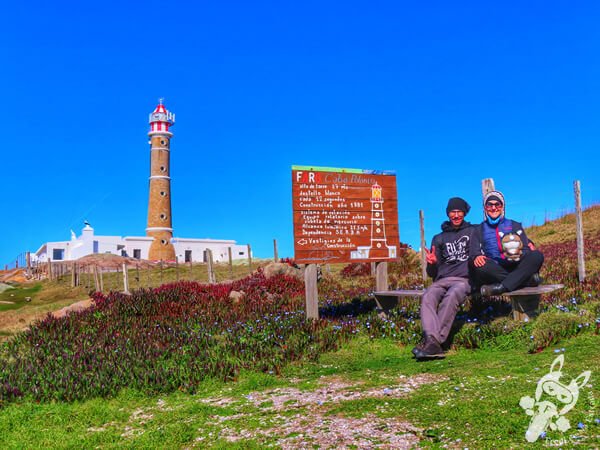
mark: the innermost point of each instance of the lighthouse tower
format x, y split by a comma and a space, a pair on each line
379, 248
378, 240
159, 203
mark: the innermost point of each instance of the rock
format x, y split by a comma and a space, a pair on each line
236, 296
75, 307
281, 268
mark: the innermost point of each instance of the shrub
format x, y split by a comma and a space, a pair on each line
552, 326
356, 270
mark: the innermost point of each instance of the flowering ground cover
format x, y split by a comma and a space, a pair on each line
156, 366
165, 339
175, 336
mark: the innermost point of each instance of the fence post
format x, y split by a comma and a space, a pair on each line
125, 279
275, 253
73, 275
28, 262
579, 224
423, 245
311, 291
211, 273
487, 185
161, 271
177, 268
50, 269
249, 259
230, 263
96, 279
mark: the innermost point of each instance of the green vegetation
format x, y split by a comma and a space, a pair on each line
198, 368
471, 399
18, 297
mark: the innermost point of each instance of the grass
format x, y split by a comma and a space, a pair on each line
474, 403
18, 296
563, 229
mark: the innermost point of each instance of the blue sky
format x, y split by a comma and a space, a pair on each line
445, 93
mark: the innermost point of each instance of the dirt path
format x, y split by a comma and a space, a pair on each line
291, 418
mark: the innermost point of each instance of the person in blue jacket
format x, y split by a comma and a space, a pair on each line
507, 259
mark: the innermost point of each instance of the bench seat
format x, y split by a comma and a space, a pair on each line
525, 301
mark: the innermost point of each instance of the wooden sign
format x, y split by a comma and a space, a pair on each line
344, 215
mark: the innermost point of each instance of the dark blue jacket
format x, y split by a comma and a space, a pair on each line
504, 242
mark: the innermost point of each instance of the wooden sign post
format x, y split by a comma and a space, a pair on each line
343, 215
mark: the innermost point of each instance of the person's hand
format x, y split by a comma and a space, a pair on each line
480, 261
430, 256
531, 246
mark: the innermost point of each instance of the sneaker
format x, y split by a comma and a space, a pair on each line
418, 348
431, 350
492, 290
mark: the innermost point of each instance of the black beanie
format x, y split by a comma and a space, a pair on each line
457, 203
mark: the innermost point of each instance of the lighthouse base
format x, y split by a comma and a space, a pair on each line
161, 248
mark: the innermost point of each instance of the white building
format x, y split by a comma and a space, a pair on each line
186, 249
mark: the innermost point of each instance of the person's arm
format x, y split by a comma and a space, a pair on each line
475, 249
476, 254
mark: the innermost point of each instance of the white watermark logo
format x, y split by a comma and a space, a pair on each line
553, 400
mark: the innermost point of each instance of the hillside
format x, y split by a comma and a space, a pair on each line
563, 228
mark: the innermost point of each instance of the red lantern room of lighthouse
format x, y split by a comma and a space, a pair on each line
159, 202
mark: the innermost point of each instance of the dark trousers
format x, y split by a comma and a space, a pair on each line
512, 276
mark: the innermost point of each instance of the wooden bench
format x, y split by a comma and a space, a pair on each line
525, 301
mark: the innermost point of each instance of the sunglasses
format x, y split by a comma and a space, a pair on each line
492, 205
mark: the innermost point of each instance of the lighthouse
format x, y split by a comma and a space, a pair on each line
379, 248
160, 225
378, 239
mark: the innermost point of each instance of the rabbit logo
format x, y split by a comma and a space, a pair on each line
548, 412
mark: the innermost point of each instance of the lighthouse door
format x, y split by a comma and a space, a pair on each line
188, 256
